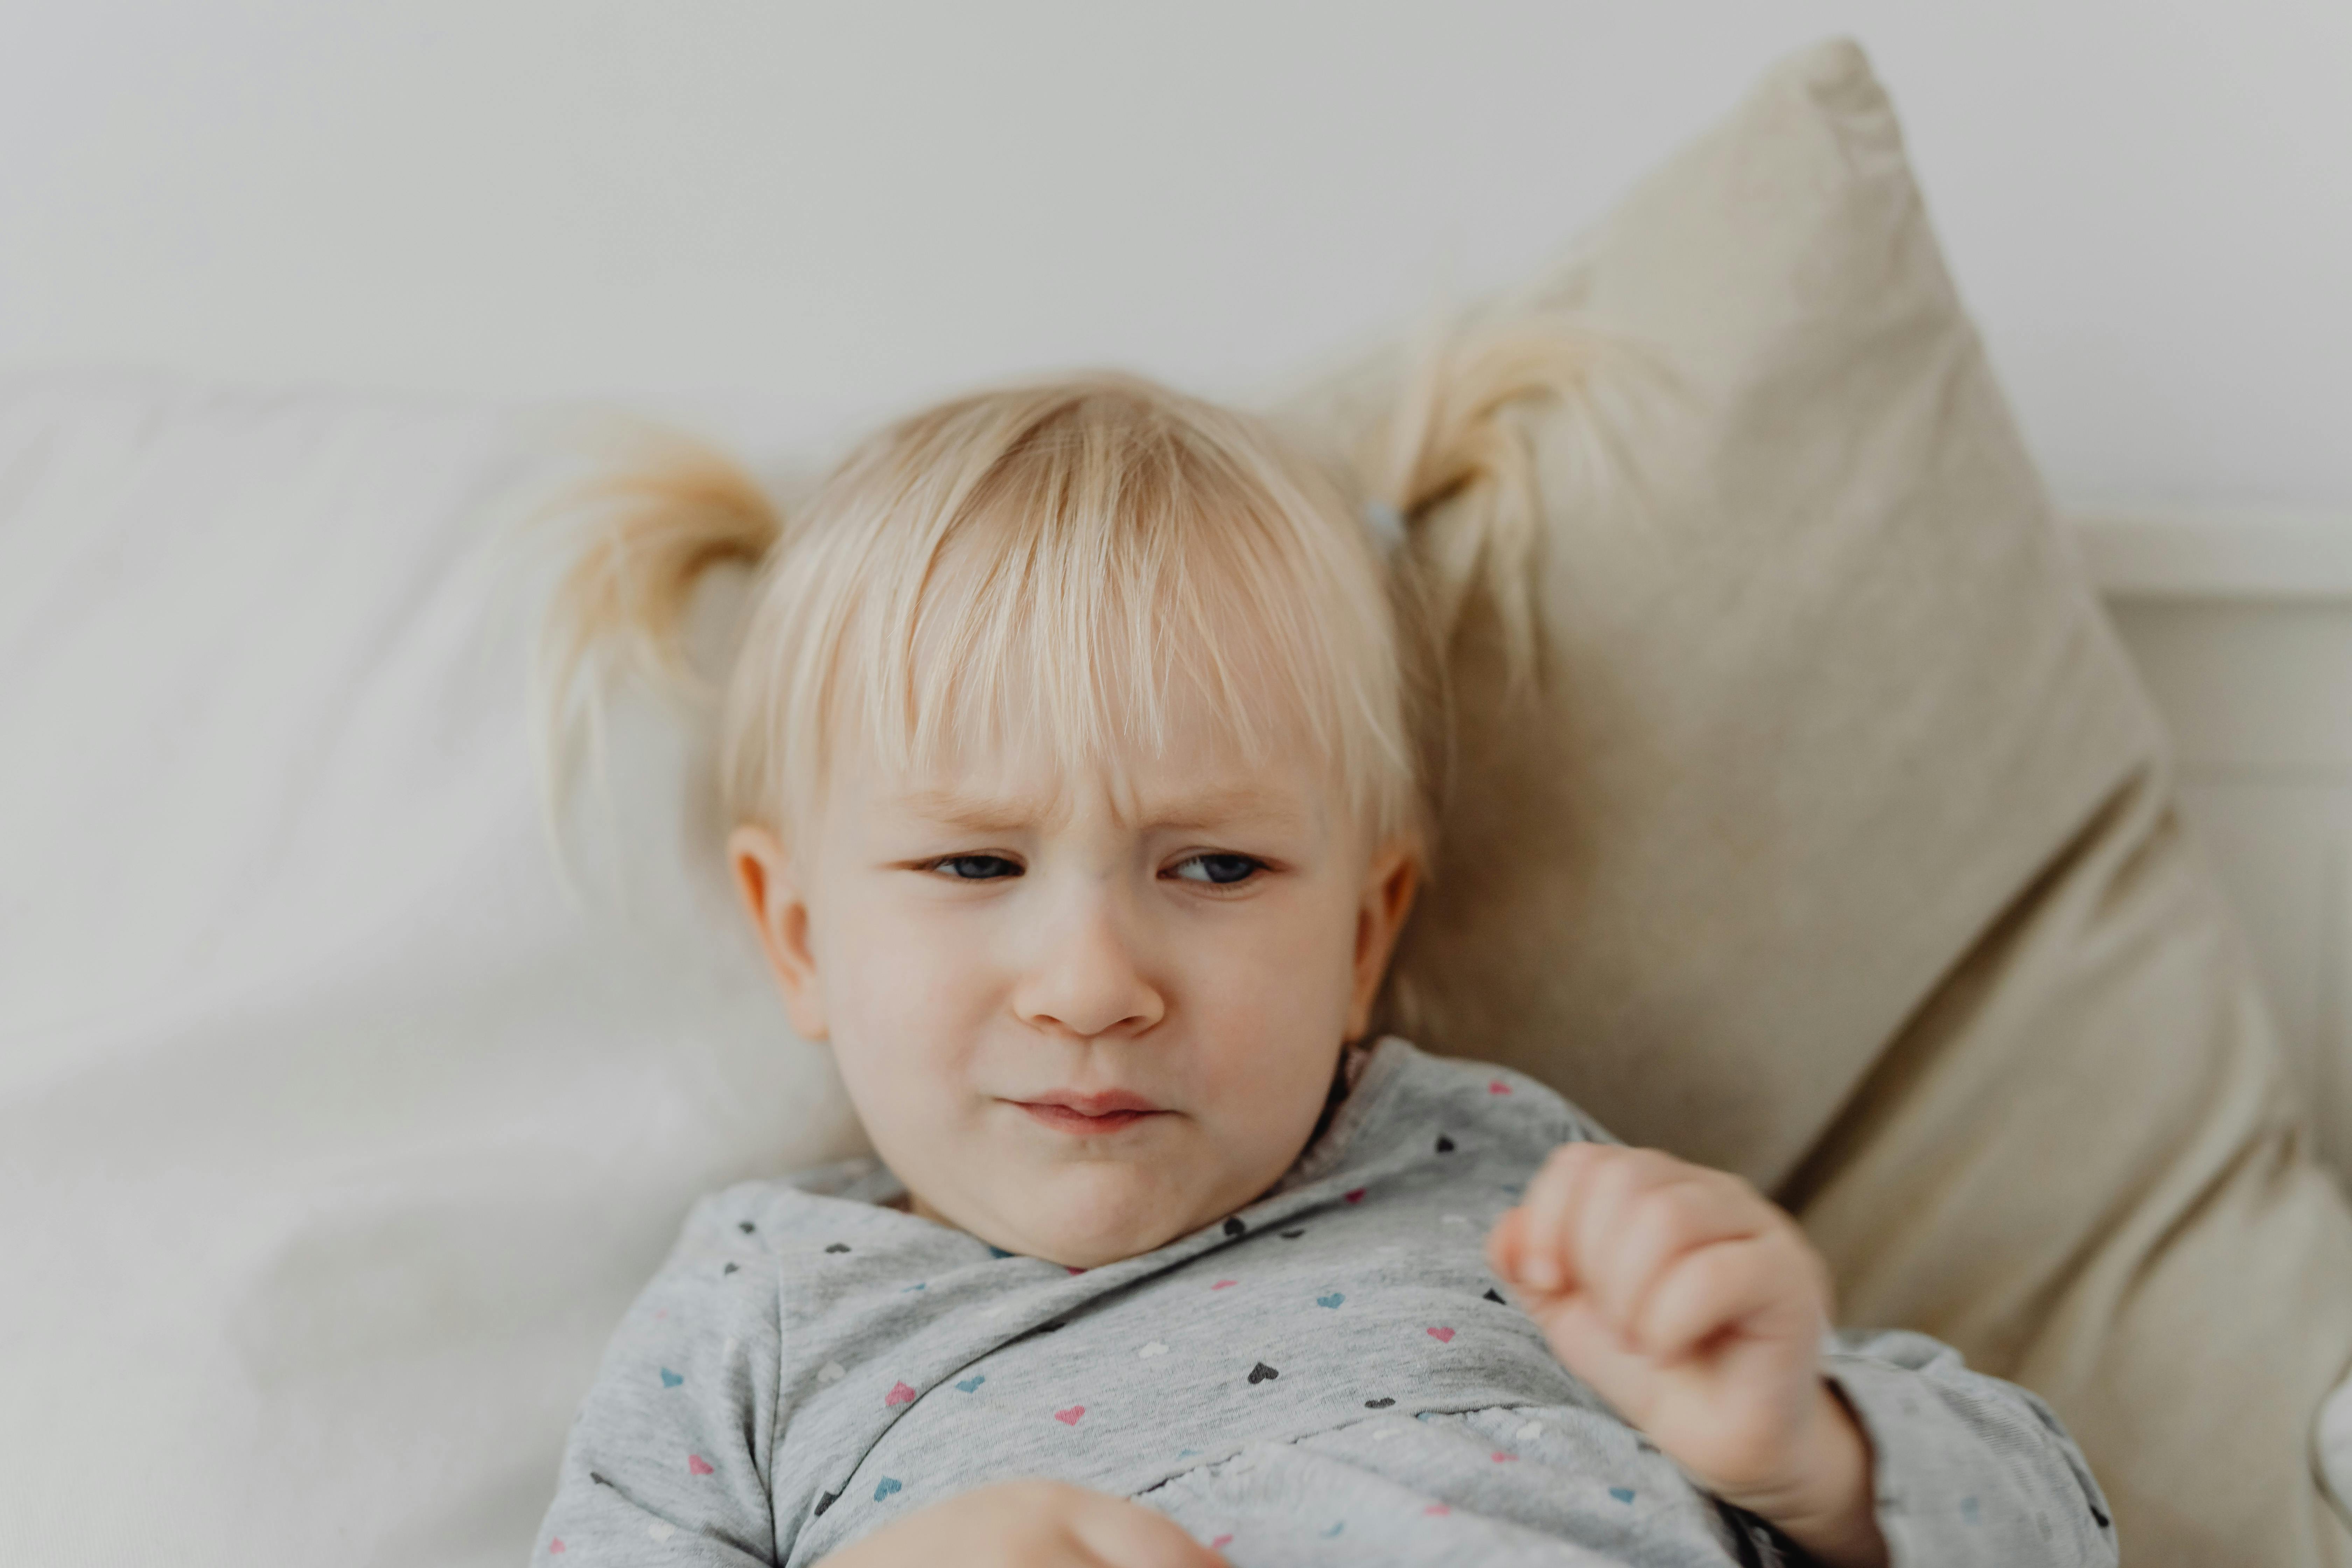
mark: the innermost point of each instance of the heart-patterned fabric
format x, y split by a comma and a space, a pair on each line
812, 1364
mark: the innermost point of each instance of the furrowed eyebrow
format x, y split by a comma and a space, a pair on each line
1214, 808
974, 813
1224, 808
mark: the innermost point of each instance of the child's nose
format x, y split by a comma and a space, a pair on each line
1086, 981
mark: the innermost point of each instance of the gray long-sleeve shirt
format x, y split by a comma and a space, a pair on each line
1331, 1374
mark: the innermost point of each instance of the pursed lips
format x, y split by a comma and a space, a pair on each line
1089, 1115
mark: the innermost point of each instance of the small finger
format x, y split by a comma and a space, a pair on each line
1546, 1259
1660, 1224
1504, 1243
1588, 1344
1606, 1203
1711, 1290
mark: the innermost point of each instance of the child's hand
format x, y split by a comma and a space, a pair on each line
1696, 1307
1030, 1524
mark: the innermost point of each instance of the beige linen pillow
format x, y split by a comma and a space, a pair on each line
1840, 850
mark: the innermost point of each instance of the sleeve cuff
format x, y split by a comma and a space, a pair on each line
1967, 1471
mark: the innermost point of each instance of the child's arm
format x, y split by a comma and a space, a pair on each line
669, 1459
1698, 1310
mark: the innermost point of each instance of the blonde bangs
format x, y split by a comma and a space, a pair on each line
1065, 565
1075, 561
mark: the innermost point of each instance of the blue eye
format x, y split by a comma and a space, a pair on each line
976, 867
1222, 870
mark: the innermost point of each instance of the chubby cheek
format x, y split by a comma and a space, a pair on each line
1270, 1020
902, 1012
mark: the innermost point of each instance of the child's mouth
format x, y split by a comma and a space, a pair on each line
1090, 1115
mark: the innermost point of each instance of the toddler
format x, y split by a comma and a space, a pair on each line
1078, 751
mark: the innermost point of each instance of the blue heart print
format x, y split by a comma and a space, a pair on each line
670, 1379
974, 1380
1622, 1494
1333, 1299
889, 1484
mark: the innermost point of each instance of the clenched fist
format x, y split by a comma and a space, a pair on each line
1696, 1307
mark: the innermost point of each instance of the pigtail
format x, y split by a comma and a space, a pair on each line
643, 533
1453, 476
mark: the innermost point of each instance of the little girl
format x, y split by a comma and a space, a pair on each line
1076, 754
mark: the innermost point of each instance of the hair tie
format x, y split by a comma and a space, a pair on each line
1386, 524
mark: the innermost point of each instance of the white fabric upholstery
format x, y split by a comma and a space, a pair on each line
333, 1135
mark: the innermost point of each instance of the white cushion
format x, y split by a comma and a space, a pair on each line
333, 1135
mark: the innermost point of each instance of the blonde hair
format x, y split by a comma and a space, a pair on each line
1061, 558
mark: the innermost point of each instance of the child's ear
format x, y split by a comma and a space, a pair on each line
779, 912
1390, 883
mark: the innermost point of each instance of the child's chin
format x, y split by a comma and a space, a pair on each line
1097, 1217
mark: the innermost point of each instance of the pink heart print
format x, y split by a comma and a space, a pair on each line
1070, 1417
696, 1465
899, 1395
556, 1544
1443, 1336
1498, 1087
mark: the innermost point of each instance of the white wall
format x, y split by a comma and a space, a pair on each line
838, 208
